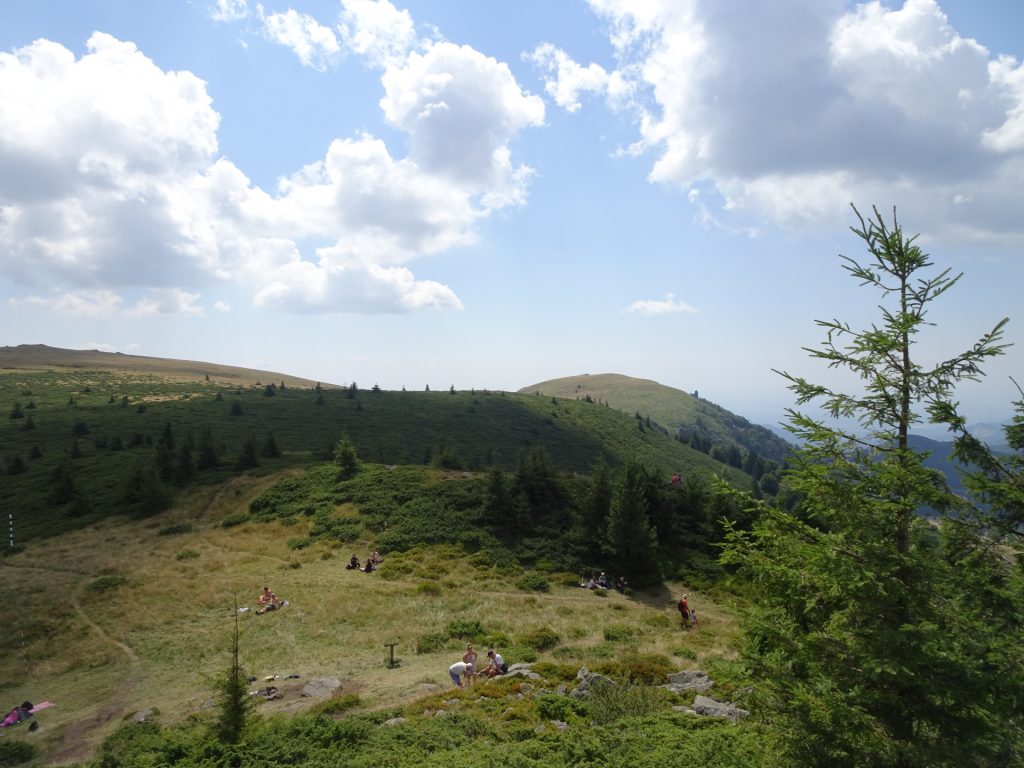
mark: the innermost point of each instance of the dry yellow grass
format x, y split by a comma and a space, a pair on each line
159, 638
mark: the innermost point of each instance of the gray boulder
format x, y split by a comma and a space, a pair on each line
708, 707
588, 681
689, 680
321, 687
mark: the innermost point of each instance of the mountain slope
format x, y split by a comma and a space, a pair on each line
685, 414
82, 443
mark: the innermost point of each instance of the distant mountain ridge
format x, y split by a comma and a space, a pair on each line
696, 420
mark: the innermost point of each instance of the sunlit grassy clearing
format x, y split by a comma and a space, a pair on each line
175, 616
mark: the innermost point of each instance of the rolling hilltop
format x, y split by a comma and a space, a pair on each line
700, 422
39, 357
85, 428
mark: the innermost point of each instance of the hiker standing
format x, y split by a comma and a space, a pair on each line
684, 611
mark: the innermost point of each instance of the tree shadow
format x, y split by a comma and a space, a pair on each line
658, 596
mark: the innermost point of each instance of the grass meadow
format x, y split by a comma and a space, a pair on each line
122, 616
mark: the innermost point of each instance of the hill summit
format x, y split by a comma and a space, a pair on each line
699, 422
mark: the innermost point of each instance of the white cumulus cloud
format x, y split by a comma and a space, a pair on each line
461, 109
792, 109
168, 301
314, 44
229, 10
377, 31
110, 187
670, 305
100, 303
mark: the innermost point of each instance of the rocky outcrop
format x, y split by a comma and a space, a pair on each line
588, 681
689, 680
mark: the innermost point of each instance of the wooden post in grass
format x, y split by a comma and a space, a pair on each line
391, 655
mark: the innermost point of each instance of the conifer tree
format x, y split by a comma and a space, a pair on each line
630, 538
346, 458
208, 455
872, 638
248, 458
270, 449
232, 695
185, 468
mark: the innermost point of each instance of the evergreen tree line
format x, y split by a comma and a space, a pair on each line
627, 521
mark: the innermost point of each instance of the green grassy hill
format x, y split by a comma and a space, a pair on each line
124, 605
696, 419
76, 434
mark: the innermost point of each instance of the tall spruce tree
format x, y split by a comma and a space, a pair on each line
875, 636
630, 538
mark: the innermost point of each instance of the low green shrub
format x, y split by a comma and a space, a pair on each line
175, 529
108, 582
465, 629
335, 705
520, 653
534, 582
552, 672
541, 639
186, 554
431, 642
660, 621
646, 668
429, 588
608, 703
16, 752
232, 520
554, 707
497, 640
299, 543
619, 633
685, 653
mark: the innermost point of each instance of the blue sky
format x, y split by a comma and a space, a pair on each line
490, 194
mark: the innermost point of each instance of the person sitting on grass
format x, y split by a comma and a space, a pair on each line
461, 673
269, 602
375, 558
497, 665
353, 564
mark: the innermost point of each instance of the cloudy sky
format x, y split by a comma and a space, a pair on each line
489, 194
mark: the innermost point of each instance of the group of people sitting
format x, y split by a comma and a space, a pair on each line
372, 563
268, 601
463, 672
603, 582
